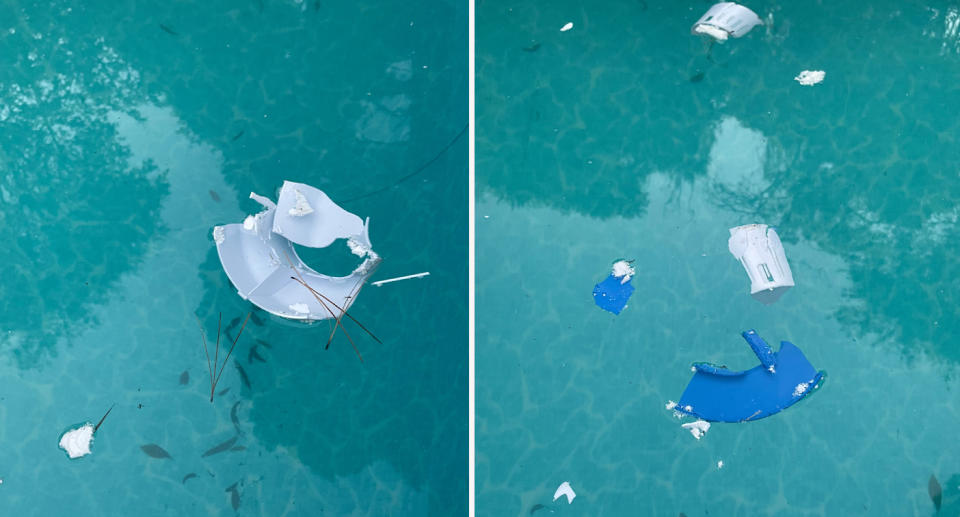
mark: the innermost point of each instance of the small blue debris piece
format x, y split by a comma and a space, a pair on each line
716, 394
612, 294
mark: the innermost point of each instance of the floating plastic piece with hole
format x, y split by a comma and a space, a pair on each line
716, 394
726, 19
759, 250
613, 293
257, 254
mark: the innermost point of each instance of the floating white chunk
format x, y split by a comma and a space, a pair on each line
698, 428
670, 405
720, 464
250, 223
726, 19
623, 270
760, 252
801, 389
566, 27
810, 77
714, 32
218, 234
378, 283
564, 489
77, 441
301, 207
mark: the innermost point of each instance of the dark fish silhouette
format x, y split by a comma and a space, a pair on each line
103, 418
168, 30
697, 77
184, 377
243, 374
220, 448
223, 392
936, 493
540, 507
533, 48
238, 448
215, 196
230, 326
683, 514
264, 343
188, 476
233, 417
237, 136
155, 451
254, 355
234, 496
257, 320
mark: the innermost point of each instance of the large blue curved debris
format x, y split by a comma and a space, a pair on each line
612, 294
717, 394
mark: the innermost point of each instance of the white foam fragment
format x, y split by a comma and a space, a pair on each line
218, 234
719, 464
698, 428
800, 389
357, 248
301, 308
301, 207
810, 77
714, 32
688, 408
670, 405
77, 441
772, 369
566, 27
565, 490
623, 270
250, 223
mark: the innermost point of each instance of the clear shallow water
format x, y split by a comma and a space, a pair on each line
602, 143
128, 132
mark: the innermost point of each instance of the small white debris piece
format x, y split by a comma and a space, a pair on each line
301, 308
250, 223
714, 32
719, 464
801, 389
77, 441
358, 248
378, 283
301, 207
688, 408
772, 369
564, 489
623, 270
670, 405
810, 77
566, 27
218, 234
698, 428
693, 369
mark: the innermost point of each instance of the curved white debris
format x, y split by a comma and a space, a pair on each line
726, 19
77, 441
564, 490
257, 255
568, 26
698, 428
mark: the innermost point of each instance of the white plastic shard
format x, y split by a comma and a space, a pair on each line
567, 26
564, 490
77, 441
318, 220
758, 248
726, 19
698, 428
257, 255
810, 77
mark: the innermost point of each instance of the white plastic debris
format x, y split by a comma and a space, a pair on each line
623, 270
726, 19
378, 283
77, 441
564, 489
262, 263
566, 27
698, 428
801, 389
670, 405
810, 77
719, 464
301, 207
758, 248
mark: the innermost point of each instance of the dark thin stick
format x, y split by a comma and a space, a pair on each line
340, 317
204, 337
345, 313
216, 354
102, 419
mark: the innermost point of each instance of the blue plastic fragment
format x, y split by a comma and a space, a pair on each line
612, 294
716, 394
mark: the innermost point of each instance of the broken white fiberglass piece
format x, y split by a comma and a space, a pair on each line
565, 490
77, 441
257, 254
758, 248
726, 19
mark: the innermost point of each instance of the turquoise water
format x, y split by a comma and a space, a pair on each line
628, 137
128, 131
